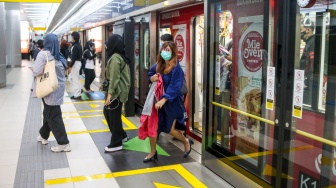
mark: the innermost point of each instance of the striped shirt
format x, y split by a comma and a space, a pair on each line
55, 98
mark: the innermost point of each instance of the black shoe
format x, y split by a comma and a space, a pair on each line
151, 159
187, 153
73, 97
126, 138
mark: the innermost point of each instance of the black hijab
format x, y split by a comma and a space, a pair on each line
88, 45
115, 44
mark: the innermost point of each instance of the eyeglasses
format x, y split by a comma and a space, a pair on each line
113, 105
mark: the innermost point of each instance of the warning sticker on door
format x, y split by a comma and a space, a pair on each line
298, 93
270, 88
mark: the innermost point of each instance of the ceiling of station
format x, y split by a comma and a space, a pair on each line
61, 18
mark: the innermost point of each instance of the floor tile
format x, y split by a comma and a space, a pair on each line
9, 157
7, 174
80, 139
7, 186
10, 144
103, 183
64, 185
88, 166
82, 151
57, 173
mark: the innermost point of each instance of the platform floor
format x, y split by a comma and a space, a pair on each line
24, 162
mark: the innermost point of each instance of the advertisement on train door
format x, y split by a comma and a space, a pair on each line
248, 36
179, 33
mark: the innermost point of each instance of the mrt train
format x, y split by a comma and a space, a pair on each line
261, 81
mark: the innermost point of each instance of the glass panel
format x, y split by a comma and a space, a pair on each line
198, 72
243, 125
136, 62
95, 36
312, 163
146, 50
163, 31
145, 61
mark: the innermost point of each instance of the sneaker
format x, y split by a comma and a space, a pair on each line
42, 140
73, 97
125, 139
60, 148
109, 150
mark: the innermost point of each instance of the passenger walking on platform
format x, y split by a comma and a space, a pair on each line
38, 49
65, 49
170, 108
31, 49
52, 113
89, 56
166, 38
118, 74
76, 64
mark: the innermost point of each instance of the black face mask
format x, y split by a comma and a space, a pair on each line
302, 35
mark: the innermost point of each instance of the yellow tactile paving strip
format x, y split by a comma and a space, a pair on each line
191, 179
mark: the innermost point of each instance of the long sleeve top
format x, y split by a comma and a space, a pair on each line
118, 73
76, 53
55, 98
89, 56
174, 108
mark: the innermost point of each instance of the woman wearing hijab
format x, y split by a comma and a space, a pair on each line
88, 57
171, 107
118, 74
52, 114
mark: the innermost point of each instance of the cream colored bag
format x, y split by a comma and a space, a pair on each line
47, 82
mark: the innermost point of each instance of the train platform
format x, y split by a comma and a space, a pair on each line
24, 162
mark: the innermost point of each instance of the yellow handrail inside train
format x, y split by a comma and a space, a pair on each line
244, 113
305, 134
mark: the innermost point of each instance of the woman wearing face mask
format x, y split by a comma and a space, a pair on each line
170, 107
88, 56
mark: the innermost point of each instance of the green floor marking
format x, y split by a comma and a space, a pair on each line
135, 144
84, 96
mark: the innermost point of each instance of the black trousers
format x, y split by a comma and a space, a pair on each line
53, 121
90, 75
113, 118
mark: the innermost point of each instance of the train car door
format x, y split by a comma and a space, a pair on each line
183, 24
279, 116
141, 59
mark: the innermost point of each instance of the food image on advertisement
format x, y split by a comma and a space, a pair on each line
250, 101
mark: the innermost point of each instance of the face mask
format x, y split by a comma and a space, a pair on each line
302, 35
166, 55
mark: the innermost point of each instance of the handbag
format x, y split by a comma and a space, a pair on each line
47, 82
184, 89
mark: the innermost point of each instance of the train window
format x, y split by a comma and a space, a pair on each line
314, 32
163, 31
224, 72
146, 57
136, 62
198, 72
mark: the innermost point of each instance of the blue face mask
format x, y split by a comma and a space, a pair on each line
166, 55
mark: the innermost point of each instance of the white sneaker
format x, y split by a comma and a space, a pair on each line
113, 149
60, 148
42, 140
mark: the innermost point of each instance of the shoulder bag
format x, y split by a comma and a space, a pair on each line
47, 82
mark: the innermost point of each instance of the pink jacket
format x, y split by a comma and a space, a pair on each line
149, 124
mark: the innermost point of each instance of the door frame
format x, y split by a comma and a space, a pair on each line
284, 31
